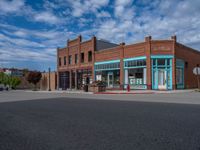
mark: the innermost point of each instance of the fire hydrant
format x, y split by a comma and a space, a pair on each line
128, 88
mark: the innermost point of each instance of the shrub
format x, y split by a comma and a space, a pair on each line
10, 81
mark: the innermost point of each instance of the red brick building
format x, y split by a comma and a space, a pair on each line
152, 64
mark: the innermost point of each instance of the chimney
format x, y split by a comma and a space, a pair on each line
147, 38
122, 43
173, 37
80, 38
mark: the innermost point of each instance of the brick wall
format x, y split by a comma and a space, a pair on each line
134, 50
44, 82
192, 58
60, 54
108, 54
164, 47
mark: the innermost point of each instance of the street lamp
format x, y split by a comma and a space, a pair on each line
49, 79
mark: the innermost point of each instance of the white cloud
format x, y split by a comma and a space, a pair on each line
12, 6
103, 14
80, 8
46, 17
18, 7
154, 19
124, 9
20, 42
30, 45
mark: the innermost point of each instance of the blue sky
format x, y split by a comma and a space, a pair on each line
31, 30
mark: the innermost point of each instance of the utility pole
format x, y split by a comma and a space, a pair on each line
198, 81
49, 79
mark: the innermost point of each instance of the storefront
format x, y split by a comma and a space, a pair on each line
180, 65
108, 72
135, 72
84, 76
161, 72
64, 80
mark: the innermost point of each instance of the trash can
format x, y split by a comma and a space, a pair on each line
86, 88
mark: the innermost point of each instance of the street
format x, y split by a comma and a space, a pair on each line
64, 123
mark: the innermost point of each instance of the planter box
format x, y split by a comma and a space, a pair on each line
97, 89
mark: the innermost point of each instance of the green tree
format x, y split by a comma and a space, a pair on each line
2, 77
14, 82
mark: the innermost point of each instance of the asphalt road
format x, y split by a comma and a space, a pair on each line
81, 124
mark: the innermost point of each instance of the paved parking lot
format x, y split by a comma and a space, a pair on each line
90, 124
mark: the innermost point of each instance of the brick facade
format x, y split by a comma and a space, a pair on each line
148, 49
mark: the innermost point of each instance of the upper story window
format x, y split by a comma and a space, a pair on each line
70, 59
135, 63
59, 61
65, 60
82, 57
161, 62
89, 56
76, 58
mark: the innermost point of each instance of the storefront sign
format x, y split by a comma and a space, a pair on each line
196, 70
98, 77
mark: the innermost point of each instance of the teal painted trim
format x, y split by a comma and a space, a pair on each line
135, 67
162, 66
136, 86
135, 58
170, 71
152, 78
94, 75
181, 64
162, 56
180, 86
166, 73
107, 69
155, 76
107, 62
139, 86
155, 68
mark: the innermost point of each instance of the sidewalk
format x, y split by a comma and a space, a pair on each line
116, 91
179, 96
144, 91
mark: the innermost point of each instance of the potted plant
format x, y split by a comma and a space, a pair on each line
97, 86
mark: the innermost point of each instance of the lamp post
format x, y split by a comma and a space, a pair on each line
49, 79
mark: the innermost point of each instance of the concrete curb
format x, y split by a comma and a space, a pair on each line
124, 93
60, 92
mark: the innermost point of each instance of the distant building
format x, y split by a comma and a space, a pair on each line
12, 71
1, 70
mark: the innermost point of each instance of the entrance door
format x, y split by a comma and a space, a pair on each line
110, 80
162, 79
